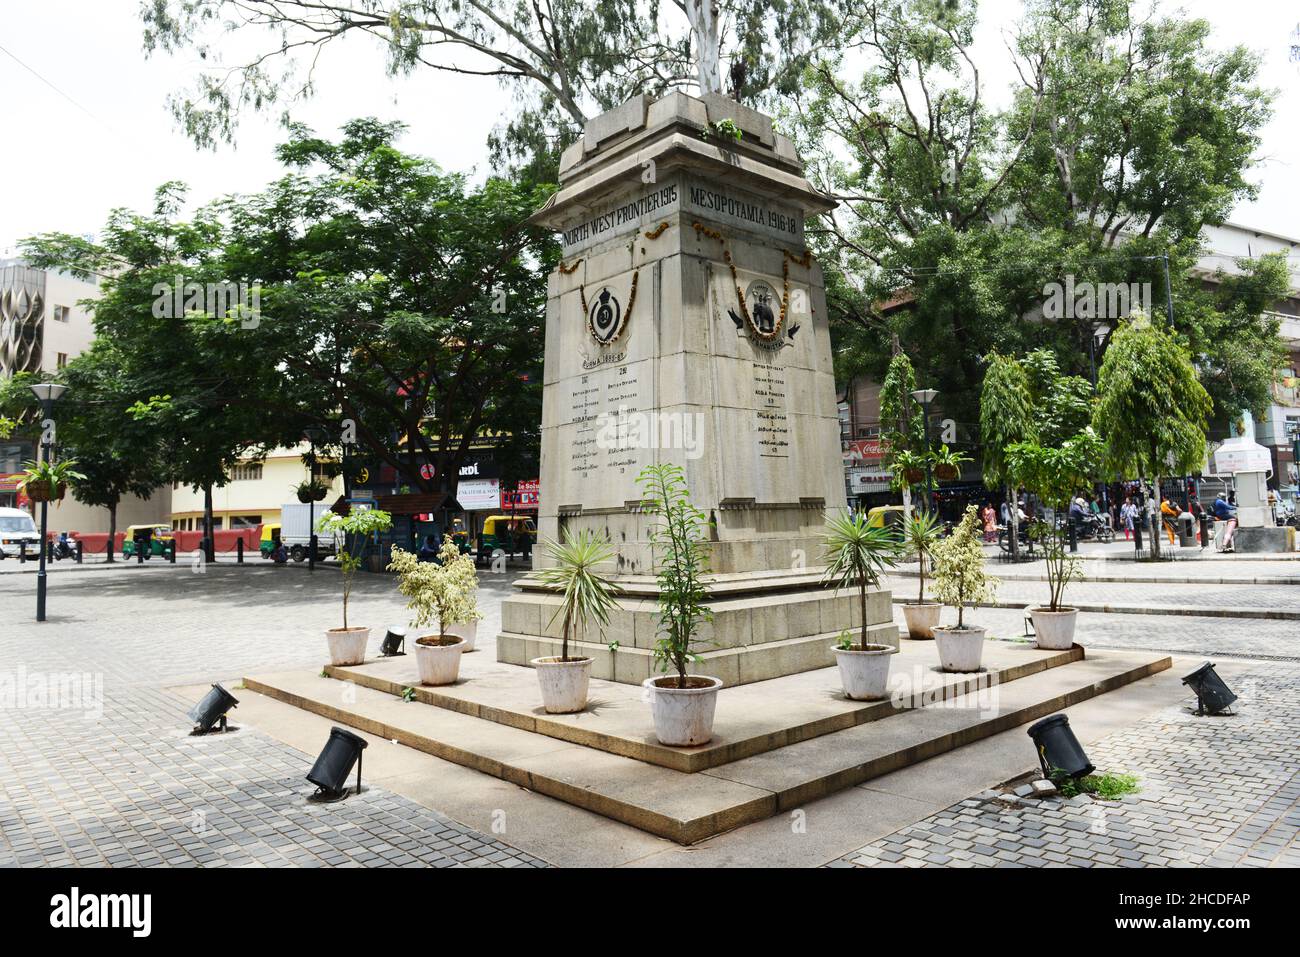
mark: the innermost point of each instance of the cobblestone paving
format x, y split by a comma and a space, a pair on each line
1215, 791
130, 787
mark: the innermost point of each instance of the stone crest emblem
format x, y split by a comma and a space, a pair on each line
605, 317
762, 316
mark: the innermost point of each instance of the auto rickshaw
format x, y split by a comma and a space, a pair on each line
158, 535
270, 539
885, 516
460, 535
511, 534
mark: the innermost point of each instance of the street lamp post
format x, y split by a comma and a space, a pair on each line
315, 436
48, 393
925, 397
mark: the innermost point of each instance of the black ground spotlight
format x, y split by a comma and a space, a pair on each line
330, 772
1058, 749
212, 710
394, 642
1212, 695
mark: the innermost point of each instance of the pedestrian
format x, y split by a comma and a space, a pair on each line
1169, 516
1225, 512
1127, 516
990, 523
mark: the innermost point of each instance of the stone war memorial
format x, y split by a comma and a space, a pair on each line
686, 323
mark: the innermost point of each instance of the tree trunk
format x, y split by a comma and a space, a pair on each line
703, 17
862, 603
1155, 524
112, 528
209, 546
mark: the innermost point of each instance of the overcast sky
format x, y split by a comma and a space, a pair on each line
64, 165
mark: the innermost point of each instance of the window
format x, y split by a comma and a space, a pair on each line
245, 521
61, 313
62, 359
246, 472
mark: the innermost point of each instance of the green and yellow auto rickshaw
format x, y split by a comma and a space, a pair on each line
270, 539
510, 534
157, 535
885, 516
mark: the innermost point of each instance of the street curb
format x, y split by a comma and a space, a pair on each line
1272, 614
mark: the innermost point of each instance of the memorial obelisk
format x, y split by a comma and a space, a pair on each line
687, 323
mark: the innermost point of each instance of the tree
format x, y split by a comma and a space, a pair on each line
565, 60
901, 427
1151, 409
1006, 417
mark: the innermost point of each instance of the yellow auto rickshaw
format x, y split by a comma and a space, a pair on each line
157, 536
270, 539
885, 516
511, 534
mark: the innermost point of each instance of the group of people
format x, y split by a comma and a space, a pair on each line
1224, 511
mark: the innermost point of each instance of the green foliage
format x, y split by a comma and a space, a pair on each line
408, 695
1107, 786
1062, 403
725, 129
856, 555
586, 596
1151, 406
1006, 414
361, 522
682, 555
845, 641
959, 575
901, 425
435, 591
57, 475
921, 531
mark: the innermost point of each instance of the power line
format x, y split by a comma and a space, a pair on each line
51, 85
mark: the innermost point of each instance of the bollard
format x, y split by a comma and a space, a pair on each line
108, 549
1205, 530
1137, 534
81, 547
171, 551
1074, 535
22, 552
139, 554
239, 550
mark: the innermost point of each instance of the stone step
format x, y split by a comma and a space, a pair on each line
750, 719
687, 807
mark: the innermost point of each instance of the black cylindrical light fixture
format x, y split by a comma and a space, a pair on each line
212, 709
1058, 749
394, 641
1212, 694
330, 772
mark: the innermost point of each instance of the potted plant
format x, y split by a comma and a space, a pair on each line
911, 465
435, 593
1054, 474
856, 554
311, 491
683, 705
921, 530
48, 481
348, 644
947, 463
461, 566
585, 596
959, 580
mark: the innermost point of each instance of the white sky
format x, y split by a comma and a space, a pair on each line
61, 169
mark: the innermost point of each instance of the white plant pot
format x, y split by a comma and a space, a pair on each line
683, 716
564, 683
347, 645
438, 664
864, 674
921, 619
468, 630
960, 649
1054, 630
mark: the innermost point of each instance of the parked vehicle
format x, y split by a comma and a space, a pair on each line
17, 529
157, 535
511, 534
886, 516
269, 540
296, 527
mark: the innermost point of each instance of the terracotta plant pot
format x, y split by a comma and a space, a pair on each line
913, 476
437, 662
921, 619
960, 649
864, 674
564, 683
43, 491
347, 645
946, 472
683, 716
467, 630
1054, 630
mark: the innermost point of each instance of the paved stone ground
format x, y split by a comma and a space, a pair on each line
1215, 791
130, 787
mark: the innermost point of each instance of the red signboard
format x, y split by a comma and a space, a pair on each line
527, 495
865, 450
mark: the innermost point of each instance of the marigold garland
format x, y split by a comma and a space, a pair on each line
786, 258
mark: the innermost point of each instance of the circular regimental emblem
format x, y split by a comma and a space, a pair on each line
605, 318
762, 304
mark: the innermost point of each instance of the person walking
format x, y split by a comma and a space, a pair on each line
1169, 516
1127, 516
990, 523
1226, 513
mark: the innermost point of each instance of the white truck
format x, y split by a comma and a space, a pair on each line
18, 531
296, 529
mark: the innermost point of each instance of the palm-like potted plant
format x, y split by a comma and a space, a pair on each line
960, 580
586, 596
48, 481
910, 465
1053, 474
435, 593
348, 644
311, 490
856, 554
683, 705
947, 463
461, 566
921, 531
